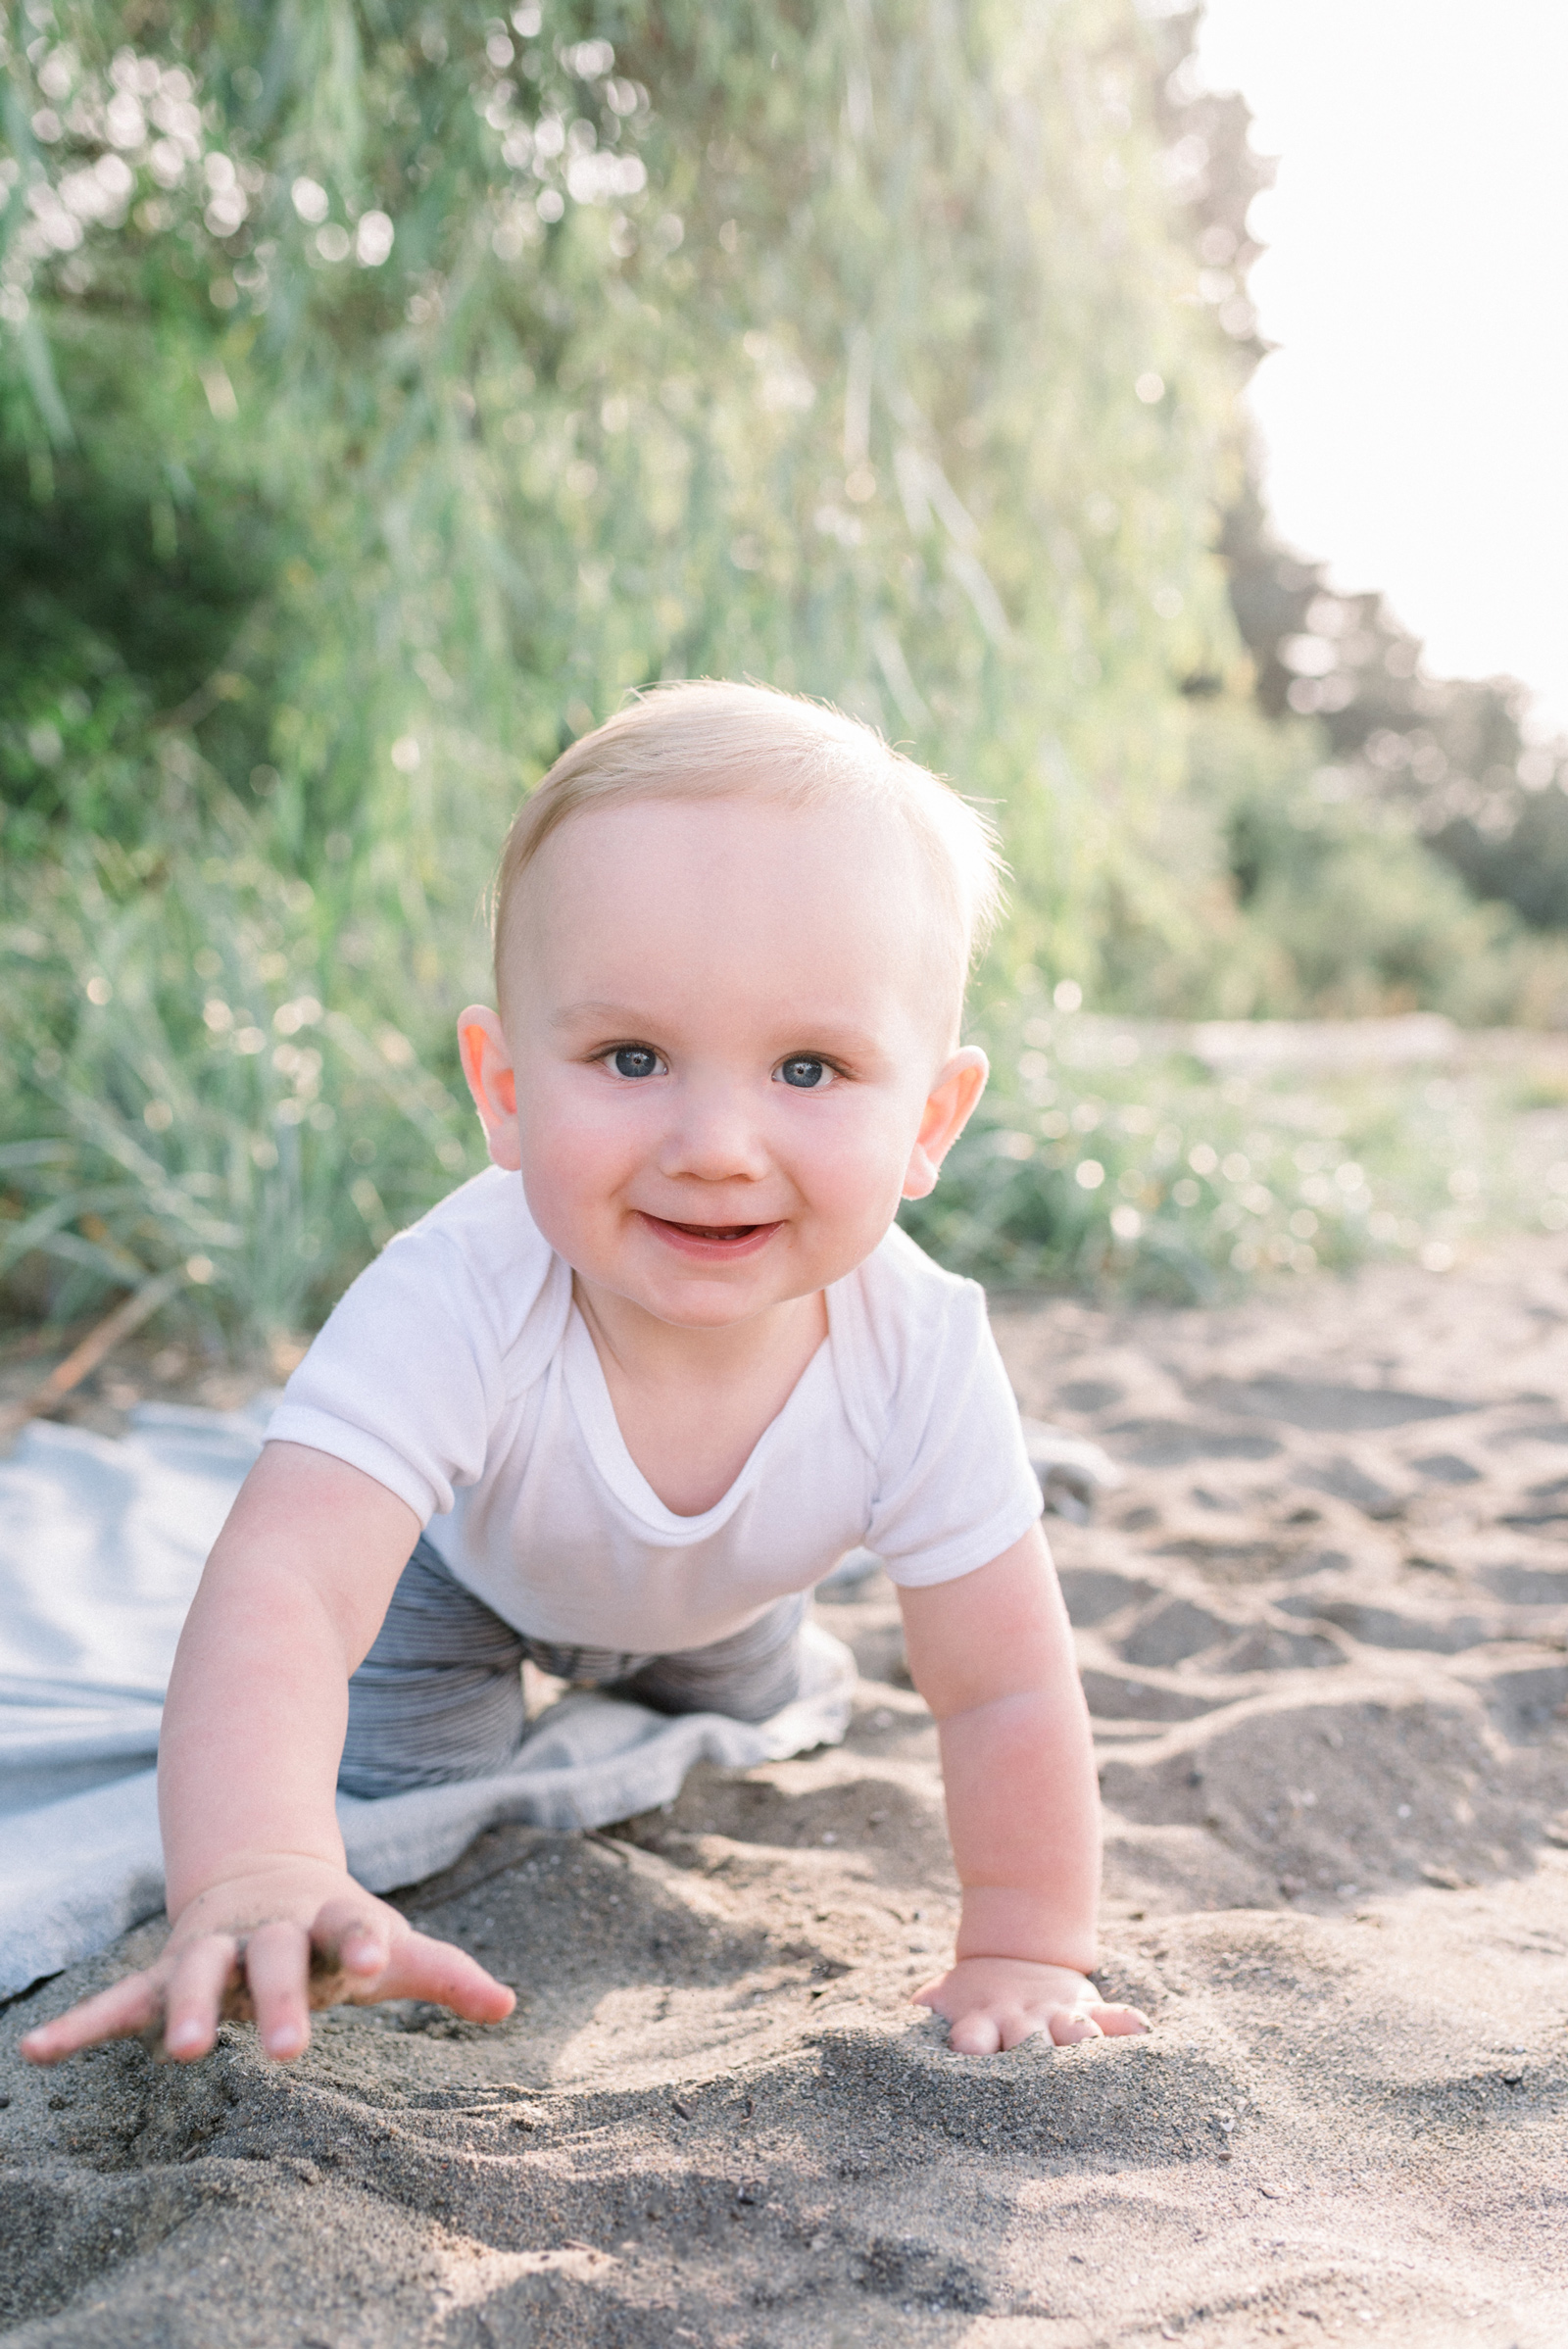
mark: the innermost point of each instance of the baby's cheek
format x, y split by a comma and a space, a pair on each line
571, 1145
855, 1165
556, 1184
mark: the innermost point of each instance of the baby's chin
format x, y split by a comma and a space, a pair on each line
702, 1289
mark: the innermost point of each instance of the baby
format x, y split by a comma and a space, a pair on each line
617, 1404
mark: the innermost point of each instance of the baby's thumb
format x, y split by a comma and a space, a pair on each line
1120, 2022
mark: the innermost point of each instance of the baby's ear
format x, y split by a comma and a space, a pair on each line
949, 1106
492, 1081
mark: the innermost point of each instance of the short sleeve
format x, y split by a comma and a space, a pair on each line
410, 1374
955, 1487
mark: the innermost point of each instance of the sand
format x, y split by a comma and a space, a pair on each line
1323, 1631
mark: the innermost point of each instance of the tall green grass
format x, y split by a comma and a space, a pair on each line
200, 1079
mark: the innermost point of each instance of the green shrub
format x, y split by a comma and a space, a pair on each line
1290, 896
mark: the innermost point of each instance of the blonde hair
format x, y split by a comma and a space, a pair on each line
707, 740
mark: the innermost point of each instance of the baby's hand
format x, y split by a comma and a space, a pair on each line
994, 2002
269, 1946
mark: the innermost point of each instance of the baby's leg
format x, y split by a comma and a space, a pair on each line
748, 1676
439, 1697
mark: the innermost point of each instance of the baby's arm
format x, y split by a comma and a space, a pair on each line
992, 1654
266, 1917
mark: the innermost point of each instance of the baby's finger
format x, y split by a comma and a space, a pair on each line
938, 1995
1120, 2022
195, 1994
975, 2035
351, 1942
277, 1959
421, 1968
118, 2013
1068, 2025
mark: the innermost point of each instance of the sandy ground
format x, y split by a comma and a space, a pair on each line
1323, 1631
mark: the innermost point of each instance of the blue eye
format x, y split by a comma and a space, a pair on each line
806, 1073
634, 1061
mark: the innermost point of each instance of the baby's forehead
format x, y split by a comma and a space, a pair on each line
822, 838
774, 802
851, 878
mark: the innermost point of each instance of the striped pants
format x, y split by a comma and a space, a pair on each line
439, 1697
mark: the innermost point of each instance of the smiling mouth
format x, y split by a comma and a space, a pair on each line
711, 1235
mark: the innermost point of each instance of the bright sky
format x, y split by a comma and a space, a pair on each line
1415, 416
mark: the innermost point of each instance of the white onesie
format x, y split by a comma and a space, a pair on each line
459, 1372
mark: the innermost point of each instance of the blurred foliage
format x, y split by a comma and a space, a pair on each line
387, 375
1395, 778
188, 1098
1327, 902
1451, 760
386, 388
1106, 1153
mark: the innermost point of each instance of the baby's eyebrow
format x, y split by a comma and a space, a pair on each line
617, 1015
827, 1035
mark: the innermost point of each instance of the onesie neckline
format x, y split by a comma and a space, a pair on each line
589, 1392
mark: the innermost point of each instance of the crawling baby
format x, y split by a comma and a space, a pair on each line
617, 1404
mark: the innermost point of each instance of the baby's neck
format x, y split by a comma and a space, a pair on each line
691, 1404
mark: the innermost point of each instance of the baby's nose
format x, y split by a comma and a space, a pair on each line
714, 1136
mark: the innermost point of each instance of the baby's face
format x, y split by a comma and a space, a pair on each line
727, 1069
